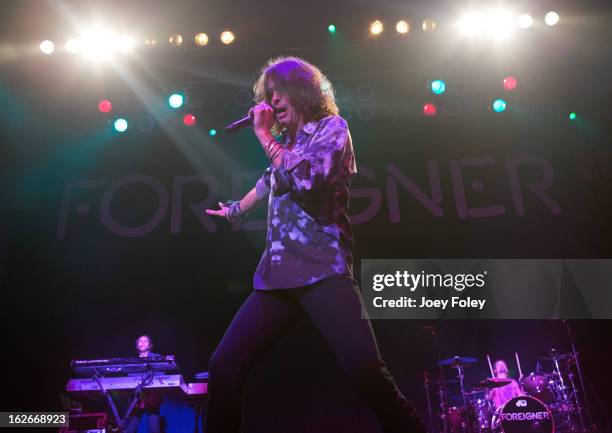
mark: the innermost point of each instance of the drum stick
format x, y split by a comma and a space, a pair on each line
518, 363
490, 366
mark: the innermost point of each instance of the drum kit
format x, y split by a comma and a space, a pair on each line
547, 402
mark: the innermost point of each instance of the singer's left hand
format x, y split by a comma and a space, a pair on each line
263, 119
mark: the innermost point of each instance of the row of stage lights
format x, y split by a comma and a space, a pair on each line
492, 23
429, 109
499, 105
175, 101
100, 44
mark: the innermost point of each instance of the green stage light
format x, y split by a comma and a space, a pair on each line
212, 132
331, 28
438, 87
499, 105
176, 100
573, 116
120, 125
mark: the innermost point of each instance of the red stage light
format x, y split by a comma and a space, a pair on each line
509, 83
105, 106
429, 109
189, 119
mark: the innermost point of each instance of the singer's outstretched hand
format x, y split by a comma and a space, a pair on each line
222, 211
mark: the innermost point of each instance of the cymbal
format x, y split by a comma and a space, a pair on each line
445, 381
476, 392
554, 354
457, 360
492, 383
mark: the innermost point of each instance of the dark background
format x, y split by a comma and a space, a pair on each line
74, 289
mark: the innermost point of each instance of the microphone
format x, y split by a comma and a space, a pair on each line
239, 124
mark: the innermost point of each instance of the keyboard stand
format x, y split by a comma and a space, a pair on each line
136, 399
111, 403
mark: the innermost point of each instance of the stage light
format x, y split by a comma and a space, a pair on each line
176, 40
551, 18
429, 25
573, 116
499, 105
500, 25
376, 28
438, 87
176, 100
105, 106
227, 37
189, 119
495, 24
124, 43
47, 47
212, 132
150, 42
472, 24
73, 45
121, 125
524, 21
429, 109
98, 45
402, 27
331, 28
510, 83
201, 39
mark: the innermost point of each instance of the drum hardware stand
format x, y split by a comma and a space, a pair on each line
429, 410
461, 376
576, 401
441, 395
443, 406
559, 386
580, 378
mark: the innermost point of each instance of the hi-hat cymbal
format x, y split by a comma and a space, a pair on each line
554, 354
492, 383
457, 360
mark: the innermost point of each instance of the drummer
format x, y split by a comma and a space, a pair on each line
500, 395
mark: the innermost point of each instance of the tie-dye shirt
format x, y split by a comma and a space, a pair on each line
309, 233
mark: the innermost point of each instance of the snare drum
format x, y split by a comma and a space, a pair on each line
523, 414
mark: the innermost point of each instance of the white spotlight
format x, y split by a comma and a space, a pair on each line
376, 27
124, 43
551, 18
227, 37
472, 24
402, 27
73, 45
99, 45
500, 25
524, 21
47, 47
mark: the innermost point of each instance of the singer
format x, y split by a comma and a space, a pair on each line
307, 266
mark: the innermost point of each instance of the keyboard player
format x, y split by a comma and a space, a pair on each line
151, 401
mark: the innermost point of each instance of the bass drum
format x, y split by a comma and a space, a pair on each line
523, 414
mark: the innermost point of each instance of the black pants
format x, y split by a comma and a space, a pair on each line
335, 307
